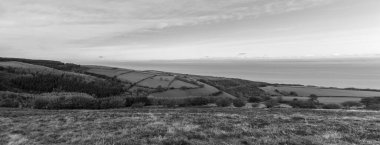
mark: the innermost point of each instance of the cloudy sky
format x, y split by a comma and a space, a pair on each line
188, 29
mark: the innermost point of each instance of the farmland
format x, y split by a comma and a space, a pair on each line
306, 91
189, 126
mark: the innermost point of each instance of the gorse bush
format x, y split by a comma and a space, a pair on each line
370, 101
64, 101
255, 99
182, 102
223, 102
239, 102
9, 99
349, 104
271, 103
373, 107
129, 101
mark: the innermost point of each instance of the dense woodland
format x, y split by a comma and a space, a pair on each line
49, 83
48, 63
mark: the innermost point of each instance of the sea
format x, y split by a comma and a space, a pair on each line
343, 72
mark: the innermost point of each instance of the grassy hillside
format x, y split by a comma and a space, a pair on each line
190, 126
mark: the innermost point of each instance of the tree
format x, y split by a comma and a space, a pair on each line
254, 99
313, 98
292, 93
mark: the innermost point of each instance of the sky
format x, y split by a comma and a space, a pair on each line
93, 30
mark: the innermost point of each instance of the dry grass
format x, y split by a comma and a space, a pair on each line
188, 126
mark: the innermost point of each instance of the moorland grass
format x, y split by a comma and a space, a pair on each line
193, 126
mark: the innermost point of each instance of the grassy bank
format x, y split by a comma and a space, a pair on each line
188, 126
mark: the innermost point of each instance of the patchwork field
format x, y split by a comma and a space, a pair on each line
306, 91
157, 81
325, 100
134, 77
204, 91
188, 126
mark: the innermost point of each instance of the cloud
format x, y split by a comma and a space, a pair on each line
117, 26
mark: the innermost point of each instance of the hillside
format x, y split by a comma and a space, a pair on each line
45, 76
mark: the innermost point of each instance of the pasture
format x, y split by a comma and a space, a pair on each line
330, 92
325, 100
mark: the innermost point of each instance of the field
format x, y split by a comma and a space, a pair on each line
306, 91
185, 126
325, 100
205, 91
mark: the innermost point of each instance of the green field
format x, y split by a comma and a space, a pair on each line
186, 126
329, 92
325, 100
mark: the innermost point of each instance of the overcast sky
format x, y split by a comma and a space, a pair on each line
188, 29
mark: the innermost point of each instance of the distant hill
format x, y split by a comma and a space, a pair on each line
43, 76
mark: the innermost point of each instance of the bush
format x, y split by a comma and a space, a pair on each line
292, 93
111, 102
223, 102
170, 103
349, 104
271, 103
129, 101
40, 103
197, 101
373, 107
138, 105
239, 103
255, 99
370, 100
64, 101
331, 106
10, 99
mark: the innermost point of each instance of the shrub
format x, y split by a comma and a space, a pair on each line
138, 105
349, 104
239, 103
197, 101
170, 103
223, 102
373, 107
255, 99
129, 101
111, 102
369, 101
8, 102
271, 103
331, 106
292, 93
40, 103
63, 101
10, 99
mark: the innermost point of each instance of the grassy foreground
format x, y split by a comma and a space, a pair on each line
188, 126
